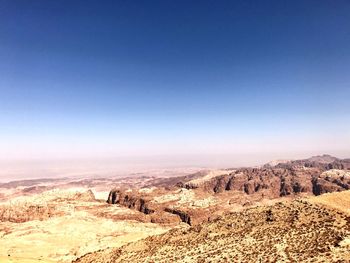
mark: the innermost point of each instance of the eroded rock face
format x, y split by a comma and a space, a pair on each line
275, 182
130, 200
184, 216
311, 176
332, 181
297, 231
159, 212
324, 162
262, 183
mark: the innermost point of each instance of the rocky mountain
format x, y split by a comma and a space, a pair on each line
277, 182
296, 231
290, 211
236, 188
321, 161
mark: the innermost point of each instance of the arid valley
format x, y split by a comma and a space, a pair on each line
288, 211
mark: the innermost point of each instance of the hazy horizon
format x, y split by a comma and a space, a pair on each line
171, 84
12, 170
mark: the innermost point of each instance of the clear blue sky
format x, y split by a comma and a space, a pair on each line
100, 78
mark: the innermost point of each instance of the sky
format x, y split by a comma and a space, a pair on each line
178, 80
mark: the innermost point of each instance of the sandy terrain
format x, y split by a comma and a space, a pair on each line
73, 228
339, 201
266, 214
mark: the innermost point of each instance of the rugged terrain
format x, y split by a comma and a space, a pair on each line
203, 196
62, 224
61, 219
302, 230
296, 210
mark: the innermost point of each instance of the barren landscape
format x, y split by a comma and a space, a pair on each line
174, 131
284, 211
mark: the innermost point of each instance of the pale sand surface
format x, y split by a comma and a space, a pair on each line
339, 201
84, 227
23, 260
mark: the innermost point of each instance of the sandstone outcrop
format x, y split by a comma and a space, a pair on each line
130, 200
163, 213
298, 231
332, 181
247, 186
274, 182
325, 162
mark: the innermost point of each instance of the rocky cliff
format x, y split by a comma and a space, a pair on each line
163, 213
298, 231
275, 182
245, 185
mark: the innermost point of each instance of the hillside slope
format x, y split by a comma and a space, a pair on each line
299, 231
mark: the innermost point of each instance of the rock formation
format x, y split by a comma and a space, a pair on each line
298, 231
311, 176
